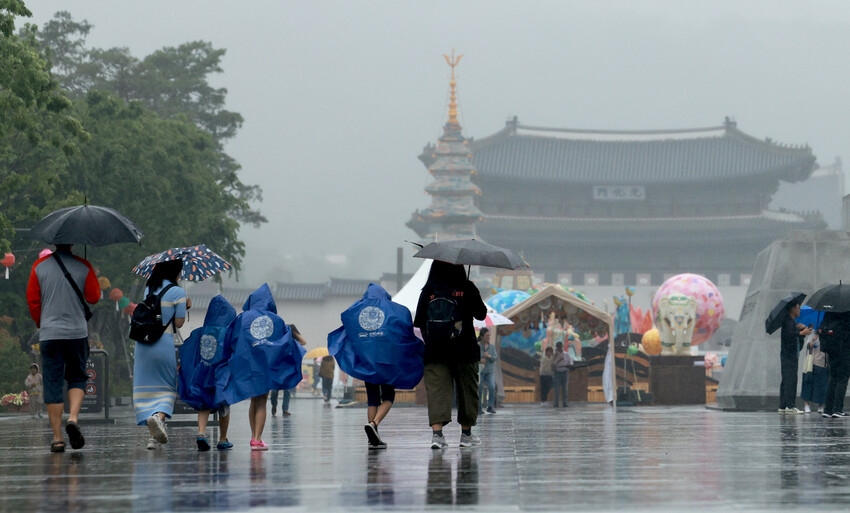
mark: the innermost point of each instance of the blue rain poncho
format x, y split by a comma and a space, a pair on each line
201, 353
376, 343
260, 353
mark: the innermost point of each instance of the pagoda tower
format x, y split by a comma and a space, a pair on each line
452, 214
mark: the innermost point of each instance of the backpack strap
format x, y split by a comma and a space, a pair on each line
79, 293
159, 305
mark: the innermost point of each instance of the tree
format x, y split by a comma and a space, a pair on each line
172, 82
36, 131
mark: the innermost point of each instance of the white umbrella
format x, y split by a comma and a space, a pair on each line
493, 319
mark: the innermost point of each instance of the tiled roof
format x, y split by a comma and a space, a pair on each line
300, 292
526, 226
615, 157
340, 287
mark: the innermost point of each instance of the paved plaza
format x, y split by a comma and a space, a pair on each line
533, 457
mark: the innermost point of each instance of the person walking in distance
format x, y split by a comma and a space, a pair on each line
547, 373
60, 285
35, 390
447, 304
488, 372
326, 371
561, 366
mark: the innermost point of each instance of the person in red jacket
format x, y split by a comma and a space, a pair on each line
57, 286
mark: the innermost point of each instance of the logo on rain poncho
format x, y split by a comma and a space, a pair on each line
208, 347
371, 318
261, 329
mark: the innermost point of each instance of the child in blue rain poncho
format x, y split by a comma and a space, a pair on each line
199, 356
260, 354
376, 344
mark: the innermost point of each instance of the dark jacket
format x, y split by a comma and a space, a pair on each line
790, 338
464, 348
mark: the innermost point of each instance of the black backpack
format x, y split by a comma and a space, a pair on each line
443, 317
146, 324
830, 334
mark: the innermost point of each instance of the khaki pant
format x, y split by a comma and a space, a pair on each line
439, 378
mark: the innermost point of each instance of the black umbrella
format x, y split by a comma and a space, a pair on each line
833, 298
471, 252
780, 311
85, 224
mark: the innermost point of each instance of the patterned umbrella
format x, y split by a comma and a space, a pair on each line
199, 262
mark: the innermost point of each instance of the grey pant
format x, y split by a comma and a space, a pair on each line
439, 379
561, 386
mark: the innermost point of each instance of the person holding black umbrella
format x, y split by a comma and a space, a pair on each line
788, 356
446, 307
59, 287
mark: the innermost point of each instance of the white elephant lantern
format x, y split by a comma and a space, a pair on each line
677, 316
710, 310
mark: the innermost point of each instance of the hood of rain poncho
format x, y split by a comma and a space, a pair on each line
261, 299
260, 352
201, 353
376, 343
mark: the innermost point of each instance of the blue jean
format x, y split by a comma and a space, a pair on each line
489, 380
284, 404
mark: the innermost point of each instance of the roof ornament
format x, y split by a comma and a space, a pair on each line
453, 62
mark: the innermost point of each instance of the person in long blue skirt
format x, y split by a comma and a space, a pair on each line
155, 367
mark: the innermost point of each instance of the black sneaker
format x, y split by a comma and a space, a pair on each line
826, 415
372, 434
841, 414
491, 410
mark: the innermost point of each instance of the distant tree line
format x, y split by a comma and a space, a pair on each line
144, 136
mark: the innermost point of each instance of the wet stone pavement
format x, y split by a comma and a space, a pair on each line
533, 457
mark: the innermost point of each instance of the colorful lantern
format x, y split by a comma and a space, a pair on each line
130, 308
651, 342
8, 261
710, 308
124, 302
116, 295
104, 283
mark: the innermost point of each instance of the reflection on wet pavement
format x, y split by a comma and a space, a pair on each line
532, 458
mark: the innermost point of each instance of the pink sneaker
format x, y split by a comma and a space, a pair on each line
259, 445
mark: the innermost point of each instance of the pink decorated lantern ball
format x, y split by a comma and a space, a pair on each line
710, 310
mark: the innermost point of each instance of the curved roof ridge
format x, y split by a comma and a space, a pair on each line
622, 132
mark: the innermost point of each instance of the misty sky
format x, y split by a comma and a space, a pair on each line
340, 97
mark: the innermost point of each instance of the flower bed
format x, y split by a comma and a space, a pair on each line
14, 402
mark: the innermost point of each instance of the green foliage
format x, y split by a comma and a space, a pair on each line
15, 364
172, 82
36, 131
161, 174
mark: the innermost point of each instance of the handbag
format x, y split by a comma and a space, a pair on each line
808, 366
86, 308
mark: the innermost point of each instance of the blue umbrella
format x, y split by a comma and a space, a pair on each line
809, 316
199, 262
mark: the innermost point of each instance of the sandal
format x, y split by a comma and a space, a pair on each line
203, 443
75, 435
57, 446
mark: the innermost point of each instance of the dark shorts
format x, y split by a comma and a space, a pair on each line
63, 360
377, 394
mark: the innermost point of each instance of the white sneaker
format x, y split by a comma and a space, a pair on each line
807, 409
469, 440
794, 411
820, 410
438, 442
153, 444
157, 427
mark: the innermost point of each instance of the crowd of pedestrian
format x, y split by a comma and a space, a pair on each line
62, 285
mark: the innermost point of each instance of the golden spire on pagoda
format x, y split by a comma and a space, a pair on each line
452, 62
